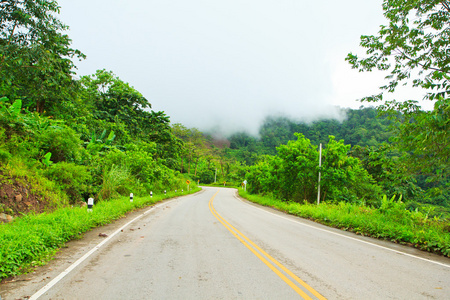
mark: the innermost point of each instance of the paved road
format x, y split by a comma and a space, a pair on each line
212, 245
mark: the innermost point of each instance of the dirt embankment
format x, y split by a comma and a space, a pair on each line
17, 196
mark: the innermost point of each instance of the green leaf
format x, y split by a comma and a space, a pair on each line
46, 160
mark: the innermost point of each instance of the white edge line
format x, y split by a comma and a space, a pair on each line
348, 237
49, 285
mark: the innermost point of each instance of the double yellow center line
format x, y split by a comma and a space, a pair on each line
266, 258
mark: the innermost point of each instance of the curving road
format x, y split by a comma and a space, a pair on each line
213, 245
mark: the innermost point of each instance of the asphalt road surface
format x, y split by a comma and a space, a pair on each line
213, 245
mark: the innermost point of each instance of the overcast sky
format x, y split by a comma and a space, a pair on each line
228, 64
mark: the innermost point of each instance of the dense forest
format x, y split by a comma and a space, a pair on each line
64, 139
365, 135
361, 127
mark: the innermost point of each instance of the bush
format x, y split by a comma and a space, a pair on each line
114, 180
4, 156
71, 178
63, 142
205, 176
143, 173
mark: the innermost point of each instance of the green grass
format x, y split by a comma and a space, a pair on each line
33, 239
390, 222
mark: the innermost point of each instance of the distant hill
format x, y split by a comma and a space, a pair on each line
361, 127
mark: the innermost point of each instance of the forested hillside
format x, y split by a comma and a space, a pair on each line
403, 153
361, 127
362, 163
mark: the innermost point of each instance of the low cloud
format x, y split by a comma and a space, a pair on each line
225, 65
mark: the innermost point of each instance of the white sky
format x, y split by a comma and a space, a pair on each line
228, 64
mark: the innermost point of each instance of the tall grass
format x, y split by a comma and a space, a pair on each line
31, 239
392, 221
113, 179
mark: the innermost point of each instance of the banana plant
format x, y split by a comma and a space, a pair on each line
97, 144
12, 111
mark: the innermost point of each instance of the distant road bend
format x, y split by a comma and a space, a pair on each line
213, 245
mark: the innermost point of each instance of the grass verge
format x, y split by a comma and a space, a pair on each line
31, 240
390, 222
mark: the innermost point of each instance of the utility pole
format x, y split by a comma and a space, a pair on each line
320, 165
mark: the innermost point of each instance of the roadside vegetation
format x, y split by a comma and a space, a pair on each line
390, 221
33, 239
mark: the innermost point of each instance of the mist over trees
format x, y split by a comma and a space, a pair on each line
361, 127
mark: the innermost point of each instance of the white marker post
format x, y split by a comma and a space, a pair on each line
320, 165
245, 185
90, 204
131, 197
151, 194
164, 192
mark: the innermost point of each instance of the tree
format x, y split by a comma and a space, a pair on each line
343, 176
298, 169
35, 56
414, 49
115, 101
193, 140
389, 170
262, 176
427, 137
416, 39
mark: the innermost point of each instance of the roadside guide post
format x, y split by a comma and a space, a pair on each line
245, 185
151, 194
320, 165
90, 204
131, 197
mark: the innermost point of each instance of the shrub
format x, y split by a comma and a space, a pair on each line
71, 178
63, 143
4, 155
114, 180
205, 176
392, 221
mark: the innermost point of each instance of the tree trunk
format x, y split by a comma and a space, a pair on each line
196, 163
40, 106
221, 167
189, 162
